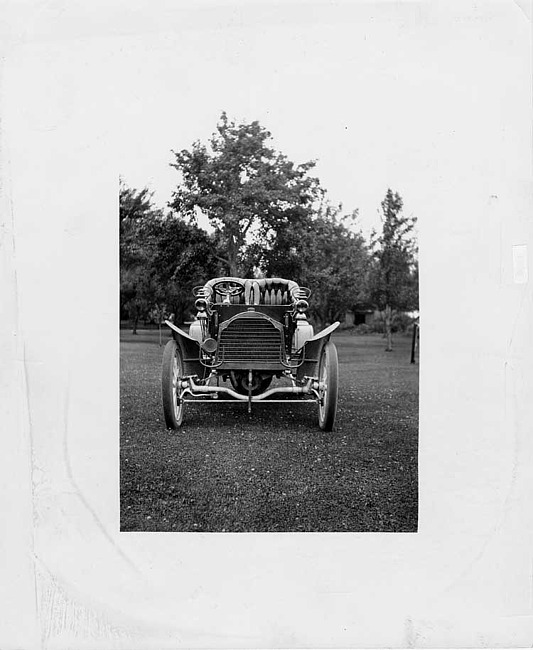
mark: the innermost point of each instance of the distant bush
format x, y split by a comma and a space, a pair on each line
363, 328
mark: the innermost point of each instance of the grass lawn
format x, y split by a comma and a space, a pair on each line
273, 470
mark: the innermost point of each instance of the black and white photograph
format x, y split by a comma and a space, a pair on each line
269, 376
269, 278
266, 324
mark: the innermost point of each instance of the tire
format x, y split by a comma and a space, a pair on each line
172, 372
328, 373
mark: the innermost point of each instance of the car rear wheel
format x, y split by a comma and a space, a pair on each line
172, 374
328, 376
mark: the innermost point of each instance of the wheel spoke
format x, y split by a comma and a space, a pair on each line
177, 382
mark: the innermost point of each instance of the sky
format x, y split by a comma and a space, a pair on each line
370, 91
380, 94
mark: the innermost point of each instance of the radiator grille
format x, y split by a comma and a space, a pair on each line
250, 339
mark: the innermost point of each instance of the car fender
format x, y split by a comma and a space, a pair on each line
312, 350
190, 350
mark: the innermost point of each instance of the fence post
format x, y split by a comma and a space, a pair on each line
413, 343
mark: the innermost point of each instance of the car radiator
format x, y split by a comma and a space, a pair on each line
249, 340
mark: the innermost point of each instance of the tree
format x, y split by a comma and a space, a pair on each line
138, 286
335, 267
185, 257
162, 257
248, 191
326, 254
393, 276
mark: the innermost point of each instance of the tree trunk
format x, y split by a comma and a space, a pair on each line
232, 263
388, 327
233, 256
135, 323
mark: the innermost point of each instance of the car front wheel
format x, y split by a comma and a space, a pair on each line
328, 376
172, 373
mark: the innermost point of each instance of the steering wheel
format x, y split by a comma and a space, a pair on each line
229, 288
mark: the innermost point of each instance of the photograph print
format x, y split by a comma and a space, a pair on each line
222, 426
269, 302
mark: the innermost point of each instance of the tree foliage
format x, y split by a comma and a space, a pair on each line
248, 190
334, 267
161, 258
138, 286
326, 253
185, 258
133, 204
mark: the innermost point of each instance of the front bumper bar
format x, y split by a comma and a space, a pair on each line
190, 387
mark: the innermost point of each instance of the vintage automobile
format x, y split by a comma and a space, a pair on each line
248, 332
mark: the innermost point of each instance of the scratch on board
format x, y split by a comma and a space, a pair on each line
525, 8
65, 620
79, 493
